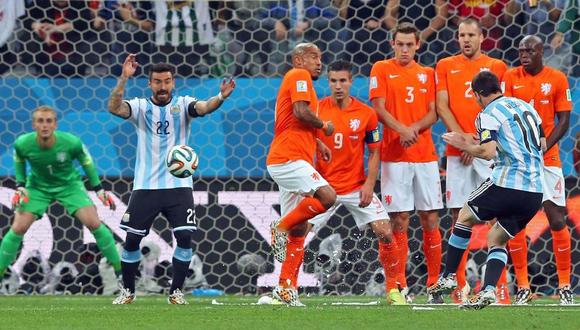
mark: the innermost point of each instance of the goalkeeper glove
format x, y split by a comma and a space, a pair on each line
105, 198
20, 196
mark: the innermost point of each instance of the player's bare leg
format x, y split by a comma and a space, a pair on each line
561, 247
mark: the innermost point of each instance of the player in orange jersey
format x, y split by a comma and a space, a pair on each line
547, 90
304, 193
356, 125
403, 95
458, 109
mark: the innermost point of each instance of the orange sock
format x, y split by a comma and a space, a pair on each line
518, 248
460, 273
293, 261
402, 240
389, 256
432, 250
308, 208
561, 246
503, 293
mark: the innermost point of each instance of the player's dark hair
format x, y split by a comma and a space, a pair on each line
340, 65
471, 20
161, 67
485, 83
406, 28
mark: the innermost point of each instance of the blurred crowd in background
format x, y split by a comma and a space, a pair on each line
254, 38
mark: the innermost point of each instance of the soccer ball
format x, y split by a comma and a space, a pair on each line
251, 264
182, 161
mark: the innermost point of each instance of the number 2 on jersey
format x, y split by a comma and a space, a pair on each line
468, 90
191, 216
162, 127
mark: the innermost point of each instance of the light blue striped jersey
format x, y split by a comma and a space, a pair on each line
519, 162
159, 128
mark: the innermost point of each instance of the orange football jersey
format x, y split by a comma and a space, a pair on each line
408, 91
354, 127
454, 75
548, 92
293, 140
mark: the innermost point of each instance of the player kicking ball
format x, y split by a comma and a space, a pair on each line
509, 131
50, 155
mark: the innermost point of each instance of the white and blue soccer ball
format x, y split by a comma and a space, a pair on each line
182, 161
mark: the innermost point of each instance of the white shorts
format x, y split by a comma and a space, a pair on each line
554, 185
295, 179
462, 180
362, 216
408, 186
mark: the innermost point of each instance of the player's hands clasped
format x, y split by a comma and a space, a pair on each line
106, 199
20, 196
130, 66
408, 136
227, 87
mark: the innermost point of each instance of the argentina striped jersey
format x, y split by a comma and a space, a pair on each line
159, 128
519, 161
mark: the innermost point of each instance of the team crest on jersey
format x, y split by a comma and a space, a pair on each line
483, 69
546, 88
388, 199
354, 124
126, 217
61, 156
422, 78
174, 109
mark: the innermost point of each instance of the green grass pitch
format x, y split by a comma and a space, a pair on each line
233, 312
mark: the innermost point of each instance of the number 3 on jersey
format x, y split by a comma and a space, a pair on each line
410, 96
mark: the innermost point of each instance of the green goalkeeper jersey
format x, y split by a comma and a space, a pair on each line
52, 169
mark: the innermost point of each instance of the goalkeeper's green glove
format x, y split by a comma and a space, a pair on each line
20, 196
105, 197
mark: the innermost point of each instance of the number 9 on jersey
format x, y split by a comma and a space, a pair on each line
182, 161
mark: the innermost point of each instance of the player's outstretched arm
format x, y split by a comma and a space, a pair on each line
307, 116
213, 103
467, 144
116, 104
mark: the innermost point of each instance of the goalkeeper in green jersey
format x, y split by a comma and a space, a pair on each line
53, 177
